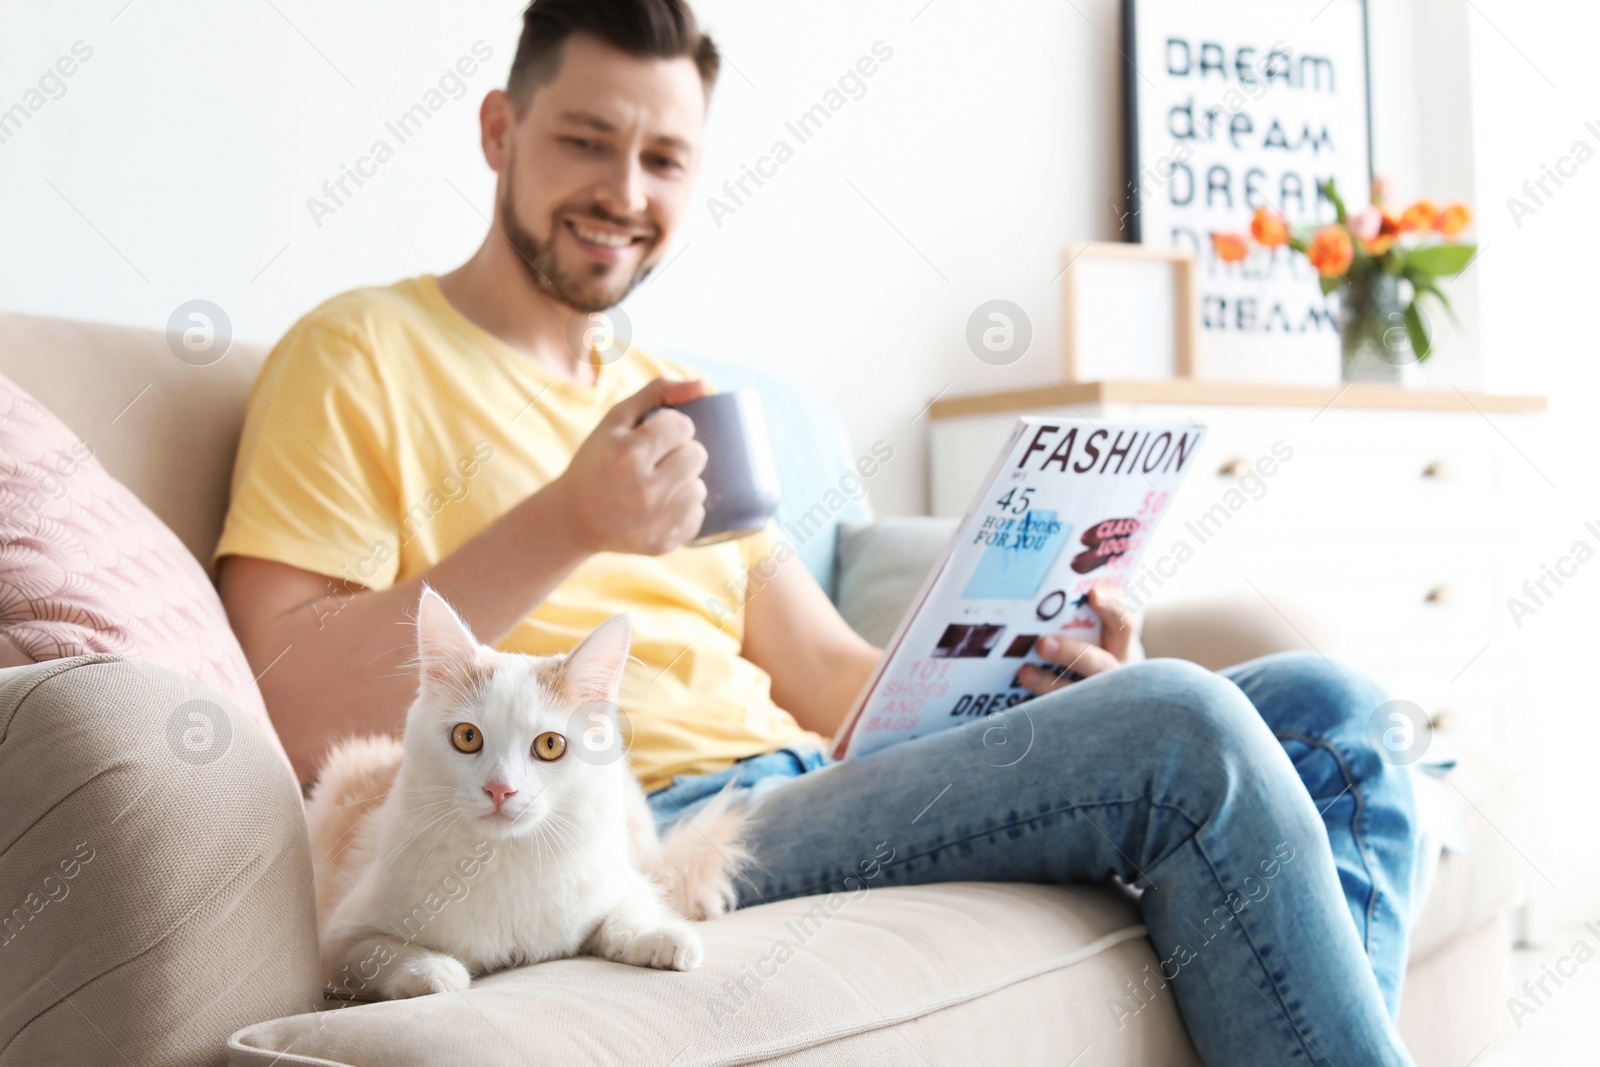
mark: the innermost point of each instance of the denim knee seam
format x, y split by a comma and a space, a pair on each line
1068, 809
1358, 825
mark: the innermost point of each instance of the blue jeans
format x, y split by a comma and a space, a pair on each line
1272, 846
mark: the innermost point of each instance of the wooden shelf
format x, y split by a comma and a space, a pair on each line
1231, 394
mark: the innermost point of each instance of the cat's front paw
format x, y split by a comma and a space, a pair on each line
430, 972
672, 947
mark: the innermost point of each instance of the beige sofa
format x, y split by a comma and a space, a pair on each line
187, 937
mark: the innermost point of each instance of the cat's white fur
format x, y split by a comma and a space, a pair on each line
421, 884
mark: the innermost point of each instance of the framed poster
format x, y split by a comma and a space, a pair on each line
1231, 105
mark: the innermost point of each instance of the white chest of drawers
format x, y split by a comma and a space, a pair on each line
1384, 524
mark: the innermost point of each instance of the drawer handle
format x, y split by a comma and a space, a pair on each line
1237, 467
1438, 469
1441, 594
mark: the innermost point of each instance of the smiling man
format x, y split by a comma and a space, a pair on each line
447, 430
566, 507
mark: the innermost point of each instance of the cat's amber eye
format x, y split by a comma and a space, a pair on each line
549, 746
466, 737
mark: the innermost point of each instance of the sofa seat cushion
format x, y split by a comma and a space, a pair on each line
956, 973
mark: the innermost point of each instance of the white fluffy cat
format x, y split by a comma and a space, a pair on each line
492, 836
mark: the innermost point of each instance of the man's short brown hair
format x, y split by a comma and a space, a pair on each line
658, 29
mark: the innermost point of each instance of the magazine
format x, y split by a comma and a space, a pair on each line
1069, 504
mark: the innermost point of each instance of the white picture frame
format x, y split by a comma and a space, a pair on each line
1128, 313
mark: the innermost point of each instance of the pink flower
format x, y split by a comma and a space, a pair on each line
1366, 224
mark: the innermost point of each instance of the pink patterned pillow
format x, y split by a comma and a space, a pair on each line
86, 567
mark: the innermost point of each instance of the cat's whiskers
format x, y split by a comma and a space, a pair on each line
442, 830
431, 807
535, 837
467, 698
408, 802
381, 796
443, 796
394, 854
558, 831
429, 824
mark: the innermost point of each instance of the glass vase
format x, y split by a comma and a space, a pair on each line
1374, 344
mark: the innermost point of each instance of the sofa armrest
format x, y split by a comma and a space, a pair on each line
154, 870
1218, 632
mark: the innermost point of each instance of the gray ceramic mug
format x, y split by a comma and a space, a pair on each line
741, 476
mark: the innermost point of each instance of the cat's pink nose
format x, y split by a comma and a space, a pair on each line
498, 791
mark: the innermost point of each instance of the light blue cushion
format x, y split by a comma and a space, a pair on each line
882, 566
816, 466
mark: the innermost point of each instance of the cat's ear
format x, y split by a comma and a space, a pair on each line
446, 649
593, 670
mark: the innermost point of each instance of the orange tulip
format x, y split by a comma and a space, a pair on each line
1230, 247
1331, 251
1270, 228
1419, 216
1389, 229
1453, 218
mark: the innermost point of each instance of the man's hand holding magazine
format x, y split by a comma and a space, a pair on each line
1022, 602
1079, 659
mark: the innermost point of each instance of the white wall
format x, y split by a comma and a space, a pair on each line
1535, 87
1424, 142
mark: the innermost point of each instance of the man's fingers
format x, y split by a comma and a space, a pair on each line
1118, 622
1043, 680
659, 392
676, 392
688, 512
1073, 657
1078, 656
664, 433
629, 410
683, 463
690, 500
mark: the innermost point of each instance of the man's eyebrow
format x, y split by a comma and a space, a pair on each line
589, 119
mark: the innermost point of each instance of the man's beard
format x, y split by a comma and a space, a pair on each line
543, 265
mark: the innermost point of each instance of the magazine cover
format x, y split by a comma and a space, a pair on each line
1069, 504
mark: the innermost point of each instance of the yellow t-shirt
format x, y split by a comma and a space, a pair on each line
386, 429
